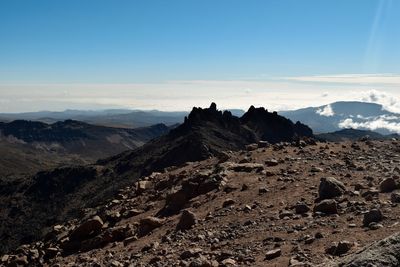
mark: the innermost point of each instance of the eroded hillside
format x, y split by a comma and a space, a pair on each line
288, 204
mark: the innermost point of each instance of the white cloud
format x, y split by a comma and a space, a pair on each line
326, 111
359, 79
388, 101
273, 94
378, 123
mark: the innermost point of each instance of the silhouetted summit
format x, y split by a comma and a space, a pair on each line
271, 127
208, 132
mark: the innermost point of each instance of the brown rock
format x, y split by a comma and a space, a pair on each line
130, 240
271, 162
301, 208
371, 216
51, 252
263, 144
388, 185
251, 147
89, 228
272, 254
5, 258
395, 197
131, 213
327, 206
176, 201
246, 167
338, 249
20, 260
228, 202
228, 262
187, 220
329, 187
148, 224
142, 186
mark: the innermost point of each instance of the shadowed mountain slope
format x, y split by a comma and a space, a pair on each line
36, 143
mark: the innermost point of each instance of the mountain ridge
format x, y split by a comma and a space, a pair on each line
29, 146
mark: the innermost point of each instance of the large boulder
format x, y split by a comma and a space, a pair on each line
148, 224
381, 253
372, 216
388, 185
301, 208
200, 184
87, 229
338, 249
327, 206
329, 187
187, 220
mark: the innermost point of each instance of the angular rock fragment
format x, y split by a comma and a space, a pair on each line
329, 187
187, 220
327, 206
374, 215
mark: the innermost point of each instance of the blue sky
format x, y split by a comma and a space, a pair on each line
88, 51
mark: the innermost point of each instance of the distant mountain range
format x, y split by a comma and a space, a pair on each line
323, 119
123, 118
341, 115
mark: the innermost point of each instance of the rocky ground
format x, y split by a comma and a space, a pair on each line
272, 205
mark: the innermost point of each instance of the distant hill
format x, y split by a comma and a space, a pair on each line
123, 118
17, 158
28, 146
340, 115
353, 135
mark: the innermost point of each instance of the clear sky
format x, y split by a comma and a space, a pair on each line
172, 54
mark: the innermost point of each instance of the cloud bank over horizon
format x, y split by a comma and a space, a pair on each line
273, 93
378, 123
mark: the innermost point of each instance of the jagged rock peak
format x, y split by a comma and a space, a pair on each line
198, 115
258, 113
213, 106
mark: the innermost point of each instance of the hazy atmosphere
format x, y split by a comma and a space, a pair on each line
172, 55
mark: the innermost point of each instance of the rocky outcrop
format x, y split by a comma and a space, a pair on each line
381, 253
